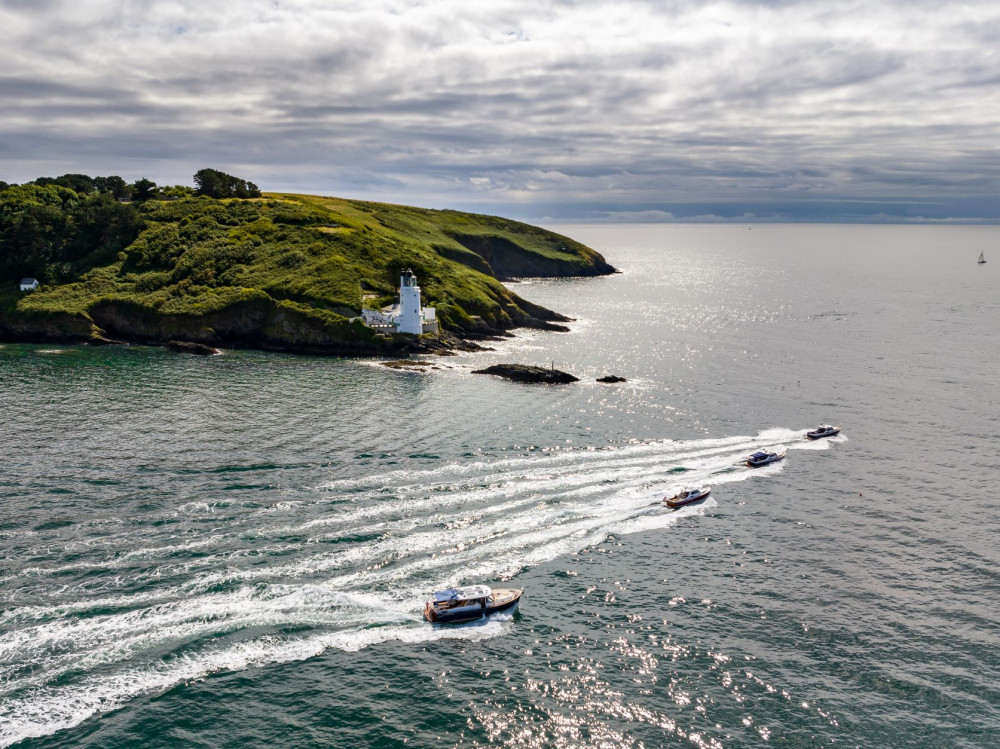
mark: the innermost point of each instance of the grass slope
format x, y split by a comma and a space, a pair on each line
290, 270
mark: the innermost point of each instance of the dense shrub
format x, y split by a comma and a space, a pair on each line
52, 232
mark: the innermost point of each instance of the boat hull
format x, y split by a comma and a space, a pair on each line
503, 600
675, 502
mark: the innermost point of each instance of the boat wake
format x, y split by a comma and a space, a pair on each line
187, 591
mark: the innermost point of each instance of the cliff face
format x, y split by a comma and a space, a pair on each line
45, 327
263, 324
507, 260
289, 272
259, 323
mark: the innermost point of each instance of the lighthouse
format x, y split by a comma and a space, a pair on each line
406, 316
409, 320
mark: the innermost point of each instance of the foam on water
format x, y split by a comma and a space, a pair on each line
346, 569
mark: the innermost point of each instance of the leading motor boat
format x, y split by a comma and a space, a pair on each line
687, 496
823, 430
455, 605
762, 458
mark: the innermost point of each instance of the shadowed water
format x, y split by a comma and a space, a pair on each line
235, 551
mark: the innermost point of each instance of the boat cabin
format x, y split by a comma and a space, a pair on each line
470, 599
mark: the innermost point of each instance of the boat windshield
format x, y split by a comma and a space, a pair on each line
443, 596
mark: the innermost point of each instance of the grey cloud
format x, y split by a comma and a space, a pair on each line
30, 6
566, 104
15, 90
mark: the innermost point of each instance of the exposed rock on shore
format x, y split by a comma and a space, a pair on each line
99, 340
188, 347
413, 365
527, 373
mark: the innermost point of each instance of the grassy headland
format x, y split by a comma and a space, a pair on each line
282, 271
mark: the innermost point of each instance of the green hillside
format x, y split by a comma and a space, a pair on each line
280, 271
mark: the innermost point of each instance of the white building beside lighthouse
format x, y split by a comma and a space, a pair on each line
407, 316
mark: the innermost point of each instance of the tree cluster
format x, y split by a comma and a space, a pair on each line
215, 184
55, 228
52, 232
114, 186
139, 191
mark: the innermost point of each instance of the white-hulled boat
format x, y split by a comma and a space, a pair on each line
762, 458
823, 430
687, 496
467, 604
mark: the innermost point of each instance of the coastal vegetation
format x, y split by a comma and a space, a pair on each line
141, 263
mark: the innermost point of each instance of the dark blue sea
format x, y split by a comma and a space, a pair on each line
234, 551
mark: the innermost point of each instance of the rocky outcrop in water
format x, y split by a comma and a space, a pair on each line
528, 373
611, 378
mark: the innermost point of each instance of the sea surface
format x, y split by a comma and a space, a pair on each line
234, 551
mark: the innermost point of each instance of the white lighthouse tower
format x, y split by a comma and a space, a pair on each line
409, 320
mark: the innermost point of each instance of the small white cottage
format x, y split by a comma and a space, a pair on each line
29, 284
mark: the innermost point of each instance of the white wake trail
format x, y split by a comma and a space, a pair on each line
367, 554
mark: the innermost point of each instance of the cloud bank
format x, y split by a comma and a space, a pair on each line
826, 110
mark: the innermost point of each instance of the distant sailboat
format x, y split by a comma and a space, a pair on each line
982, 258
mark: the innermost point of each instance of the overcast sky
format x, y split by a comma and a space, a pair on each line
628, 110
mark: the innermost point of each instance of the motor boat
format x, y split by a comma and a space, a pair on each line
687, 496
823, 430
762, 458
467, 604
